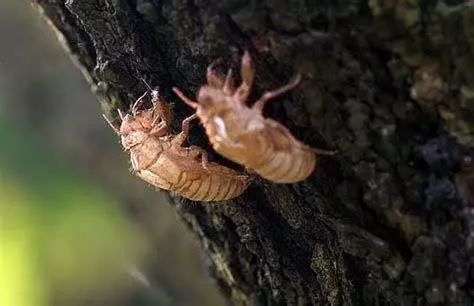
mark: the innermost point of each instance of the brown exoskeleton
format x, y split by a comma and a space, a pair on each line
159, 158
243, 135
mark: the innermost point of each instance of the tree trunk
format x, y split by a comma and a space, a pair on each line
390, 84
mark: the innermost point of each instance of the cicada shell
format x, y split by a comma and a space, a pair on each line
159, 158
243, 135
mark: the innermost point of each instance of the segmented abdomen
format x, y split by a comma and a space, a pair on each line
285, 166
210, 187
213, 184
273, 156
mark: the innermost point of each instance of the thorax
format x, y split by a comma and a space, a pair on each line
147, 152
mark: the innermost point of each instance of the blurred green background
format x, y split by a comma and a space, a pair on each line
76, 228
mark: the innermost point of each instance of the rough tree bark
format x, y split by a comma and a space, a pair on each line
389, 220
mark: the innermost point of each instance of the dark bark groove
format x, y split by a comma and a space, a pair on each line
388, 83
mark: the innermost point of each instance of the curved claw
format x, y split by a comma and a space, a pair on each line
138, 103
228, 87
120, 114
247, 73
260, 104
212, 78
189, 102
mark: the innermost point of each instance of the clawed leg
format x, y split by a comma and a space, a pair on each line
194, 152
138, 103
181, 137
228, 87
212, 78
156, 119
160, 129
217, 82
161, 109
120, 114
260, 104
189, 102
247, 72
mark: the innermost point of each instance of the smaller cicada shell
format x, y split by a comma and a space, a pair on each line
243, 135
159, 158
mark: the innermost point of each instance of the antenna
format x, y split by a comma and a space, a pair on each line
116, 130
120, 114
146, 84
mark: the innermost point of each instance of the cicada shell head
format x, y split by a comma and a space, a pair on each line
142, 123
243, 135
213, 102
133, 130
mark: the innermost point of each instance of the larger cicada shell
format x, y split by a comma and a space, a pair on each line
243, 135
159, 158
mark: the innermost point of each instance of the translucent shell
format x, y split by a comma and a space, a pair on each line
159, 158
241, 133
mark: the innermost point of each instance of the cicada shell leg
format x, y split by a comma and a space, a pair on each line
181, 137
121, 115
138, 103
189, 102
269, 95
229, 87
161, 109
247, 72
160, 129
213, 79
